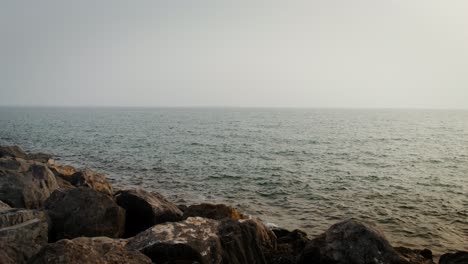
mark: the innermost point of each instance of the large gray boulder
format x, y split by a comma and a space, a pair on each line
145, 209
84, 250
22, 234
84, 212
351, 242
25, 183
206, 241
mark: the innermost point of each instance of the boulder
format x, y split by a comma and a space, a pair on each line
245, 241
88, 251
194, 240
212, 211
84, 212
25, 184
206, 241
290, 245
84, 178
460, 257
351, 242
145, 209
22, 234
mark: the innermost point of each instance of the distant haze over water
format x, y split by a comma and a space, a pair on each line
405, 170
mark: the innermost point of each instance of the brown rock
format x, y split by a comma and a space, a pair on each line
17, 152
25, 184
145, 209
460, 257
22, 234
290, 245
212, 211
84, 212
194, 240
245, 241
351, 242
84, 178
96, 250
206, 241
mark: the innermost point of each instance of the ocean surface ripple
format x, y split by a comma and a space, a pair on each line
405, 170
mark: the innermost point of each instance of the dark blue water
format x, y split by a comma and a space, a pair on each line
405, 170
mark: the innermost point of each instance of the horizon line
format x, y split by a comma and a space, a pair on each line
226, 107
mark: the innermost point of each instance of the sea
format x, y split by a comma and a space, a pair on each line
404, 170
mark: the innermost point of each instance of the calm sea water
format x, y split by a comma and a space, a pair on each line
405, 170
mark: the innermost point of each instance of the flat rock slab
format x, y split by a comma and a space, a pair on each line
22, 234
145, 209
96, 250
84, 212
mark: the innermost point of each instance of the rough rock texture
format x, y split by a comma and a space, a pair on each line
145, 209
84, 212
84, 178
416, 256
460, 257
351, 242
212, 211
22, 234
245, 241
203, 240
4, 206
290, 245
25, 184
102, 250
12, 151
194, 240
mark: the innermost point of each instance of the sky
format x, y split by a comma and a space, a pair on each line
315, 53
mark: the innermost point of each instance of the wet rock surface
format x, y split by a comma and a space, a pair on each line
84, 212
88, 251
145, 209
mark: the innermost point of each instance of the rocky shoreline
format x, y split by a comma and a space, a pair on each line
52, 213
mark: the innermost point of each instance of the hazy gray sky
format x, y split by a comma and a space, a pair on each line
322, 53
